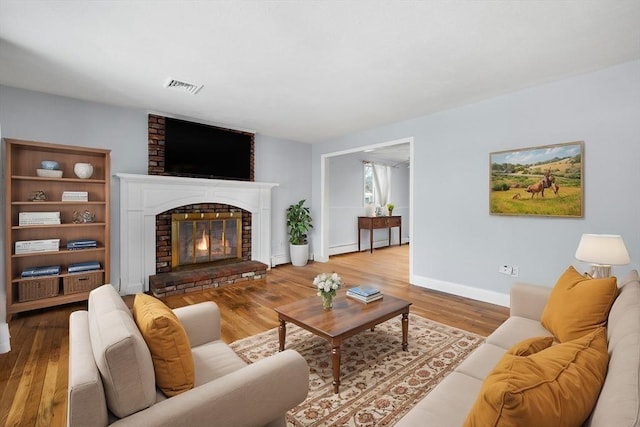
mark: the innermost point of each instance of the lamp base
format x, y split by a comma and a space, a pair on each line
599, 271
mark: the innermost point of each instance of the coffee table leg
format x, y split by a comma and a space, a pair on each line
405, 331
282, 333
335, 362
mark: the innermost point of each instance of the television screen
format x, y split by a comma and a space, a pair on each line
198, 150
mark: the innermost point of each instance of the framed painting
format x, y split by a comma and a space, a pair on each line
541, 181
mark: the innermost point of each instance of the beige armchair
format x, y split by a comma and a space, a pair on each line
112, 382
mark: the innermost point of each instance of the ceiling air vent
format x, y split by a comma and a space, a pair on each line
183, 86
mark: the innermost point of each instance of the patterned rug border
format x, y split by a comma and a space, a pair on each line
379, 381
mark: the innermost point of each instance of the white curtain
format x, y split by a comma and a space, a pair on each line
382, 183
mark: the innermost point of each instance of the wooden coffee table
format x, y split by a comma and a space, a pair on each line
347, 318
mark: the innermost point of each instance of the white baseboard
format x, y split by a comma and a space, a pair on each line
353, 247
484, 295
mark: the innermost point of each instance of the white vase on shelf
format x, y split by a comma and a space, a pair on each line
83, 170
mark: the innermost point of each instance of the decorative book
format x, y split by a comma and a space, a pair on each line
364, 291
79, 267
81, 244
31, 246
38, 218
361, 298
48, 270
75, 196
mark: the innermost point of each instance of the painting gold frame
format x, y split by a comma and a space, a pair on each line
541, 181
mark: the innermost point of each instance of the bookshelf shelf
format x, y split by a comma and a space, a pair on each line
21, 161
61, 252
89, 224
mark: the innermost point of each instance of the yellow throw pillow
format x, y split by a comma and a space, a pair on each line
530, 346
556, 387
168, 343
577, 305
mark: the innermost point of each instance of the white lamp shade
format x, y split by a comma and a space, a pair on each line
603, 249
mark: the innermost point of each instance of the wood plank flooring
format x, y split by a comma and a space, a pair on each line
33, 376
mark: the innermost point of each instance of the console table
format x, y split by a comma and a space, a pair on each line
371, 223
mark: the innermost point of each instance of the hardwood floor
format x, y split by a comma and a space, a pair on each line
33, 376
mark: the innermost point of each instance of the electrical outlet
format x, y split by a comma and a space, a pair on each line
505, 269
509, 270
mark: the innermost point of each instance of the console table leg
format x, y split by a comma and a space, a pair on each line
282, 333
335, 364
371, 240
405, 331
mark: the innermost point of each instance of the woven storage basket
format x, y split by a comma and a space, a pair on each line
81, 282
38, 288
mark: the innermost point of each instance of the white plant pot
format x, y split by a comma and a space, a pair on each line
299, 254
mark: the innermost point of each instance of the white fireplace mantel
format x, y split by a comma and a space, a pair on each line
142, 197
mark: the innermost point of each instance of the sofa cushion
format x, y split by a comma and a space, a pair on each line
168, 343
514, 330
619, 400
530, 346
120, 353
578, 305
557, 386
446, 405
214, 360
481, 361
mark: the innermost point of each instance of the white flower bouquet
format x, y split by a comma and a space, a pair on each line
327, 284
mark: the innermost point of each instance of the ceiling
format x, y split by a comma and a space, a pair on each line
307, 70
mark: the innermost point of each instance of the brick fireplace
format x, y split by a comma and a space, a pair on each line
145, 198
245, 202
204, 212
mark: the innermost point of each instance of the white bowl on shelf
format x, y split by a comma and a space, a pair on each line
49, 173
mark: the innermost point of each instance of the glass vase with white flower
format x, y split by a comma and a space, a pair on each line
327, 285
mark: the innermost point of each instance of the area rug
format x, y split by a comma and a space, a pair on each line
379, 381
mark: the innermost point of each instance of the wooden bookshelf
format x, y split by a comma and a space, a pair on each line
22, 160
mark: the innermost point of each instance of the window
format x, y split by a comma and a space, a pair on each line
377, 182
369, 197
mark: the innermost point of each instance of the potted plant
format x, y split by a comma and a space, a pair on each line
390, 207
299, 222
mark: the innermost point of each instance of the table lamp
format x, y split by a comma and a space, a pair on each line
602, 251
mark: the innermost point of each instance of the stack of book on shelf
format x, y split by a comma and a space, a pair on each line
81, 244
80, 267
38, 218
31, 246
364, 293
48, 270
75, 196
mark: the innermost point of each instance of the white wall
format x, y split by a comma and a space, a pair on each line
345, 178
457, 245
287, 163
41, 117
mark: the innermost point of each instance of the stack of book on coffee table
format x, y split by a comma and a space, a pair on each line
364, 293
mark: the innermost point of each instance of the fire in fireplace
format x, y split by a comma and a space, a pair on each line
199, 238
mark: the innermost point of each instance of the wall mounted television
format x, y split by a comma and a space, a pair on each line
203, 151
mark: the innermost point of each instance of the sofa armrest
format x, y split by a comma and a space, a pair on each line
528, 300
201, 322
86, 403
252, 396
